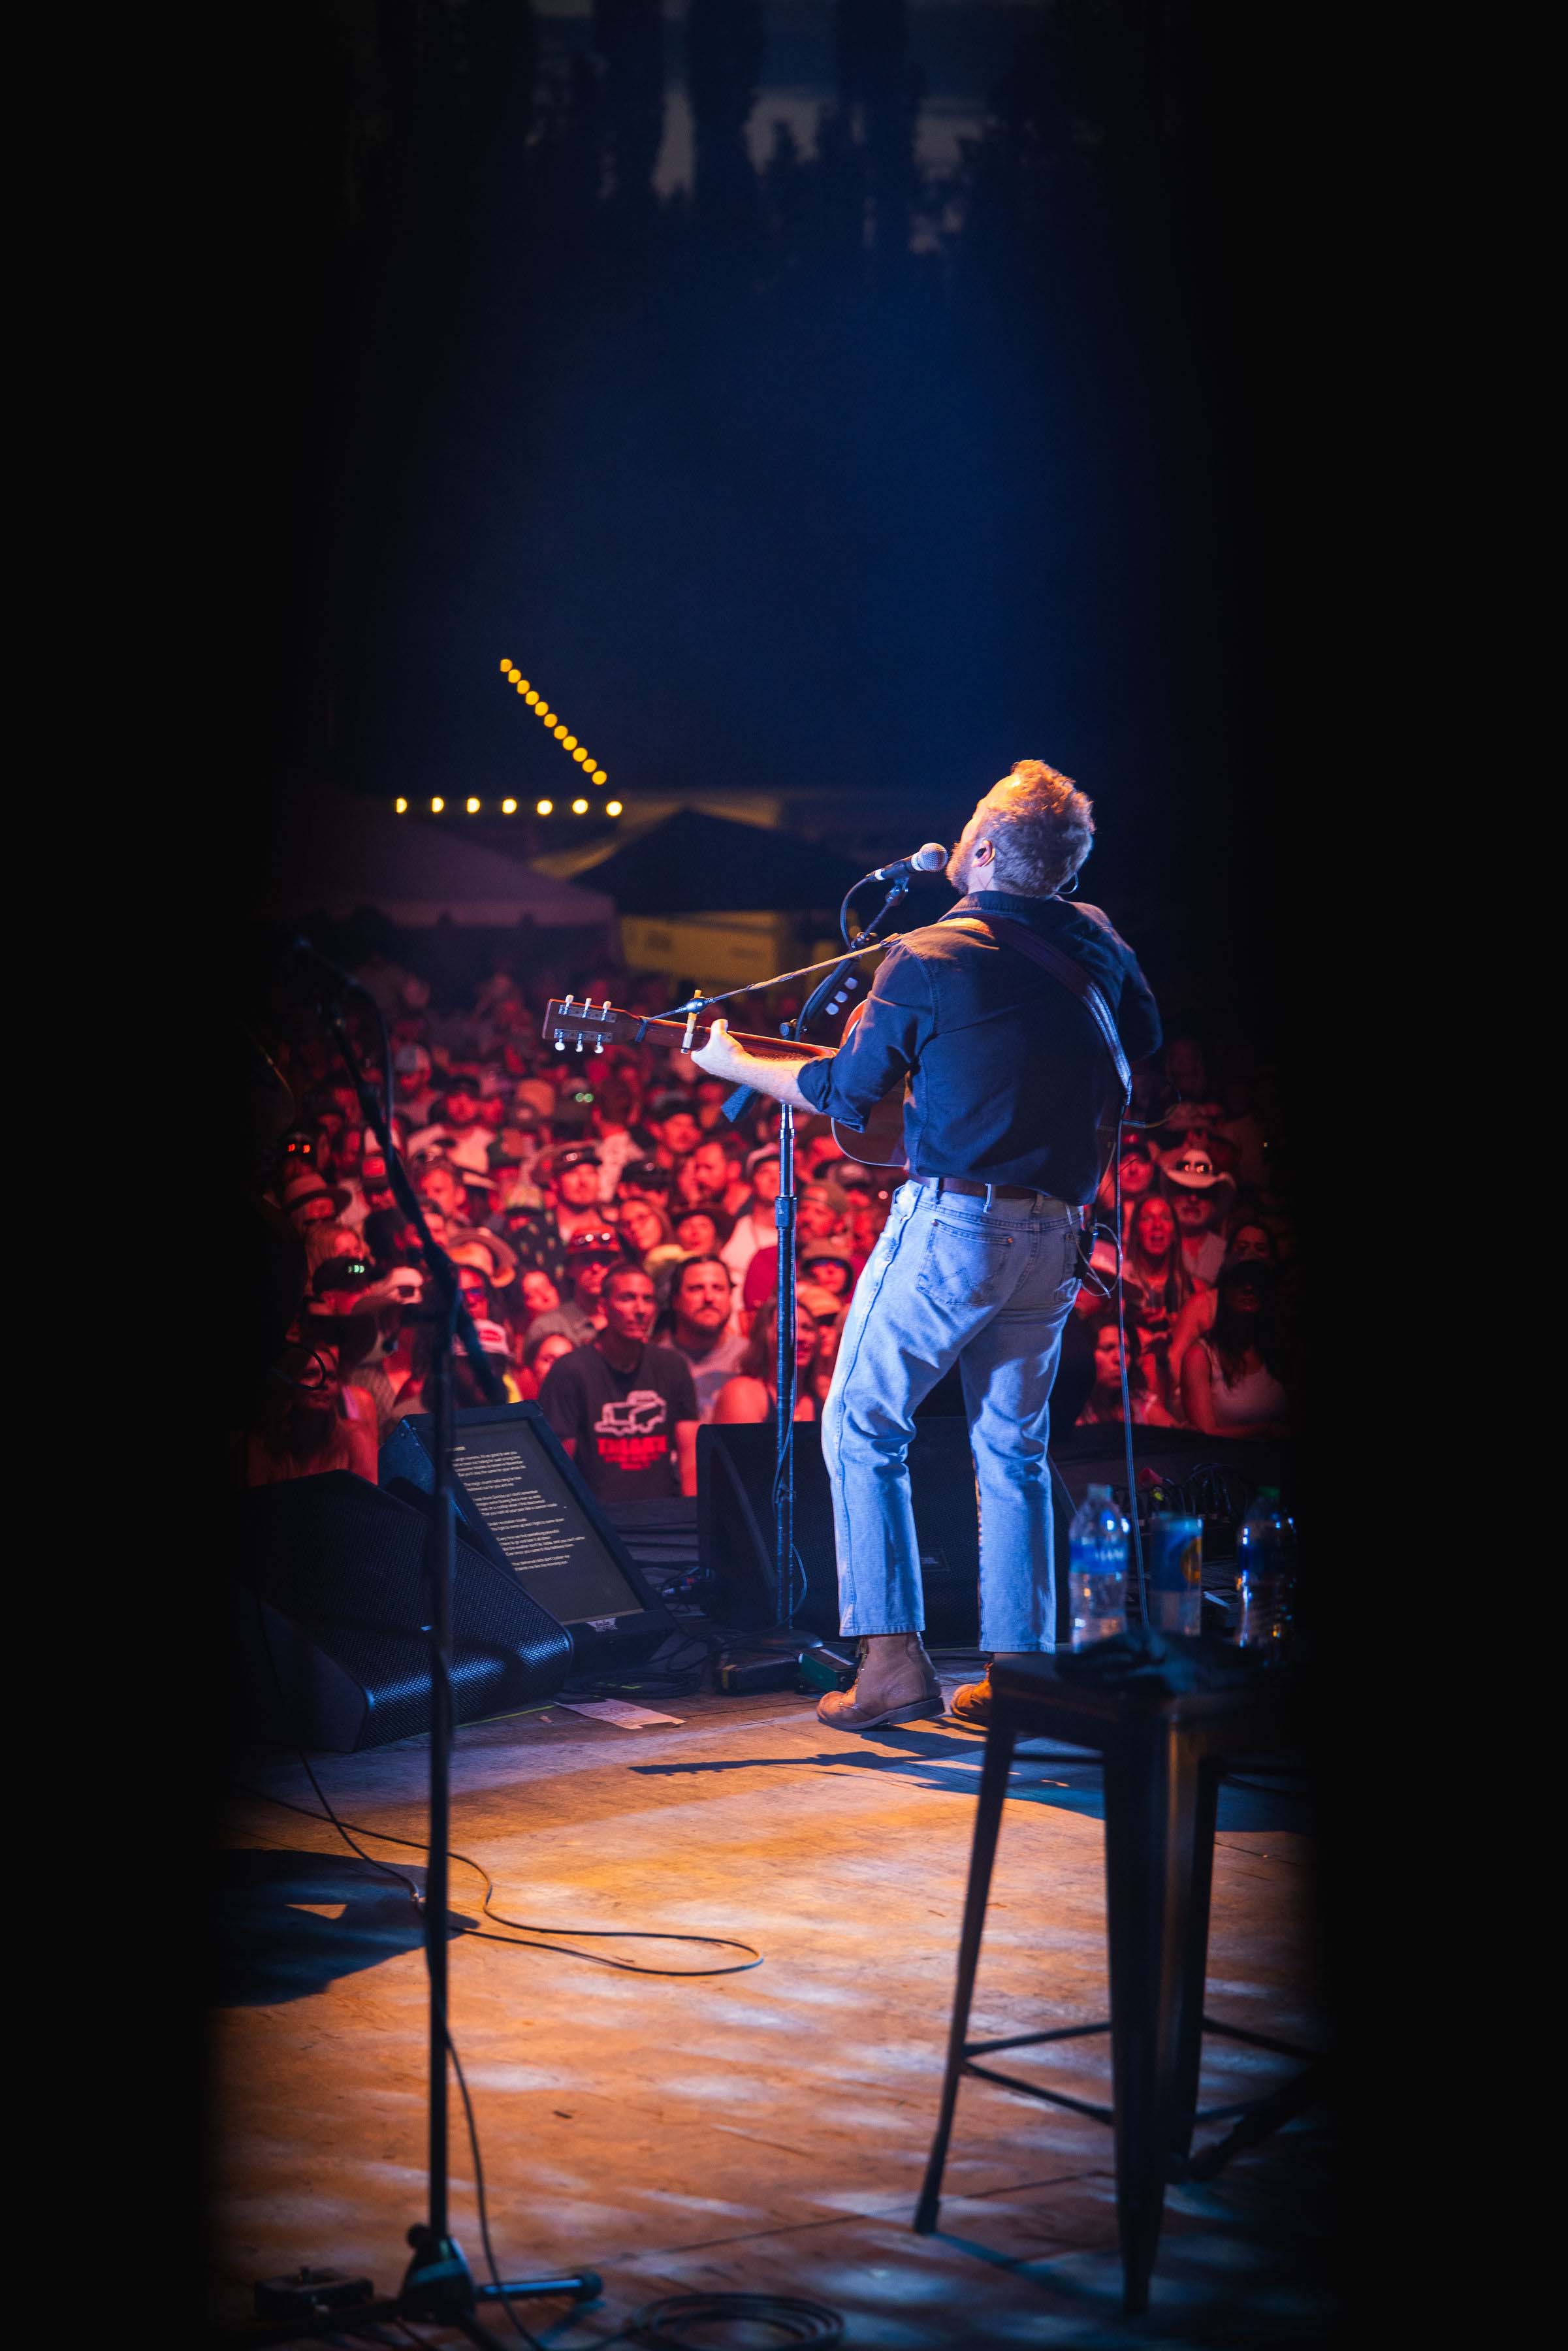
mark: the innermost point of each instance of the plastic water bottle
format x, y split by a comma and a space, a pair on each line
1097, 1577
1266, 1574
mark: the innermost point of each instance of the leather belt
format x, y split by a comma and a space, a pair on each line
976, 1189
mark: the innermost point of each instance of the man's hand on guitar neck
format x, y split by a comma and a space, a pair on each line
778, 1076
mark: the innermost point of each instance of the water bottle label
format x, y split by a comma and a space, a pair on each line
1099, 1597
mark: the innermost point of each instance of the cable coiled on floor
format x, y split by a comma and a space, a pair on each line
794, 2320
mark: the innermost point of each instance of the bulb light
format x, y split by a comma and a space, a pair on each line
611, 808
472, 806
579, 807
544, 807
508, 808
402, 806
437, 807
558, 727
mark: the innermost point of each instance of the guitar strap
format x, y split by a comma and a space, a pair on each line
1064, 968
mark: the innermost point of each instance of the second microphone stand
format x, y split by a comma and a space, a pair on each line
438, 2286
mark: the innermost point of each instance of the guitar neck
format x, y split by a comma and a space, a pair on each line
766, 1049
568, 1024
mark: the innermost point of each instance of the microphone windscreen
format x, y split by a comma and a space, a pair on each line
931, 859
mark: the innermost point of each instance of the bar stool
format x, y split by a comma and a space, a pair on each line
1164, 1758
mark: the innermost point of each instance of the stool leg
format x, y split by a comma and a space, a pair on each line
987, 1826
1151, 1807
1194, 1964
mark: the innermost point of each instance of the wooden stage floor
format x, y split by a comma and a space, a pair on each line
757, 2132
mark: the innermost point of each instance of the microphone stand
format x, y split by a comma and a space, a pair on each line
786, 1374
840, 978
438, 2286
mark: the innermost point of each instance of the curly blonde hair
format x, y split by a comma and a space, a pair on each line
1043, 831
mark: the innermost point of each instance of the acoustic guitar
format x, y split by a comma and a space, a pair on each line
583, 1027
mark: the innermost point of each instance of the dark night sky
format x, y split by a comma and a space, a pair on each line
873, 452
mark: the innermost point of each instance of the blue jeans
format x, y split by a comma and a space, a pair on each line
951, 1280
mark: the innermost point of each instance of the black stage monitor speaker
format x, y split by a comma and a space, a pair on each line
735, 1528
521, 1501
327, 1618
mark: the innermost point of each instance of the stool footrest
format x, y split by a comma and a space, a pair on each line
1034, 2090
1028, 2040
1262, 2040
1282, 2100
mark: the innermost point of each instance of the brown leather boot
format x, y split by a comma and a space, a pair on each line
972, 1703
896, 1682
972, 1700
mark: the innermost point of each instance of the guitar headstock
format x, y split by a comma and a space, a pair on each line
567, 1024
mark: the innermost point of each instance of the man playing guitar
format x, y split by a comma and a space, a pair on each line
1014, 1079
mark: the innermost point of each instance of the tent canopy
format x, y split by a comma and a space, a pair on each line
691, 862
338, 851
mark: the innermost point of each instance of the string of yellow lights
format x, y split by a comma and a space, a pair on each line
563, 736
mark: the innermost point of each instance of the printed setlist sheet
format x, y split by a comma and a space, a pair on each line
537, 1524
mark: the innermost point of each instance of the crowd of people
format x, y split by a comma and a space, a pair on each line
616, 1246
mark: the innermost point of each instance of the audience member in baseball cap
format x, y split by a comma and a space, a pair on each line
339, 1283
644, 1179
754, 1229
673, 1123
589, 1256
1136, 1166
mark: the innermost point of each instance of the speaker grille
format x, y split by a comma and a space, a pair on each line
343, 1563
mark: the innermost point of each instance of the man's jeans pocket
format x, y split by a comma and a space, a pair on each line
966, 1266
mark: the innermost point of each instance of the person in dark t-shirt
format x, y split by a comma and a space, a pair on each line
626, 1412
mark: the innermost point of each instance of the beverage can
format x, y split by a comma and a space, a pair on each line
1175, 1572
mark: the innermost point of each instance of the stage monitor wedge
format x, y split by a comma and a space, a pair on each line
329, 1616
521, 1501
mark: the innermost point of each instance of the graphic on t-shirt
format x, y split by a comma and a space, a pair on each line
630, 1430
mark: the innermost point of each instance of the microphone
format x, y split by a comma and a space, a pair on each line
930, 859
301, 950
